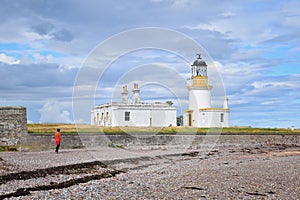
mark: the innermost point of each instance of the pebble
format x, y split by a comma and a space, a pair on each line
225, 175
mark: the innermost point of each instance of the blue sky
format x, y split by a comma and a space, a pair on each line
254, 44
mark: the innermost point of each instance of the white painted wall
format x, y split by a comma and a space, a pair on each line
139, 116
199, 99
163, 118
213, 118
185, 119
98, 119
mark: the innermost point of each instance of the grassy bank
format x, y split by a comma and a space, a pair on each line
84, 128
65, 128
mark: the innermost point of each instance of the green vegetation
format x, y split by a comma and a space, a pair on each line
65, 128
249, 130
8, 148
86, 129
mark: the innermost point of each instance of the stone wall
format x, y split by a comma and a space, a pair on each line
13, 125
38, 142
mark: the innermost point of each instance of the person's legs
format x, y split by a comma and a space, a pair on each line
57, 148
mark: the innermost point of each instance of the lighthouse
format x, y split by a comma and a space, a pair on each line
200, 113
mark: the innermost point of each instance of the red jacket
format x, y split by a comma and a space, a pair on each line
57, 138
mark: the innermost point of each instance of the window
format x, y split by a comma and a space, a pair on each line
222, 117
127, 116
106, 118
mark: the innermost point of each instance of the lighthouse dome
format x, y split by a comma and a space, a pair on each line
199, 62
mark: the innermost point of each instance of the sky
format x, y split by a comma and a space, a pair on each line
254, 46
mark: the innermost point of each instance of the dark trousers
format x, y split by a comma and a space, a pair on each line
57, 148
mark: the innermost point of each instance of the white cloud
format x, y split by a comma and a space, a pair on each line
180, 4
237, 101
228, 14
55, 112
43, 59
270, 102
29, 121
209, 27
8, 59
25, 59
270, 84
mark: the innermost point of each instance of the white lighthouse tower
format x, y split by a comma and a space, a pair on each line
200, 113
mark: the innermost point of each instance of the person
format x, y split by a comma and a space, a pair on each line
57, 140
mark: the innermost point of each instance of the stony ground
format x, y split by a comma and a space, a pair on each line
254, 172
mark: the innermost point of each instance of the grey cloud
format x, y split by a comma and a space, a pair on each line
33, 85
49, 29
284, 38
35, 77
44, 28
63, 35
268, 102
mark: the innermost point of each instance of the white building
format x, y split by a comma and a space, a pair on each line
200, 113
134, 113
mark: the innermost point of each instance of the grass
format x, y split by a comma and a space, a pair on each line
65, 128
84, 128
243, 130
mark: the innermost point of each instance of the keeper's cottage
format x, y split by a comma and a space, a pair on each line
134, 113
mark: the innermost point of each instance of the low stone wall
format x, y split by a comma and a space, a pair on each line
69, 141
37, 142
13, 125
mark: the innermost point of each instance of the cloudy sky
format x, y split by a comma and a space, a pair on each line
255, 46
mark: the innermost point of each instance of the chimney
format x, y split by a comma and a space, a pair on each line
124, 95
136, 94
226, 102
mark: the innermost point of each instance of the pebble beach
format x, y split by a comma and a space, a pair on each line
232, 172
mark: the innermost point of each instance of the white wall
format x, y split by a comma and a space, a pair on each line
209, 118
199, 99
213, 118
163, 118
98, 119
139, 116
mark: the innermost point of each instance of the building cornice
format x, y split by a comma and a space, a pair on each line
214, 109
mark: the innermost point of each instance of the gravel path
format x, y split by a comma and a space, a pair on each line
224, 173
